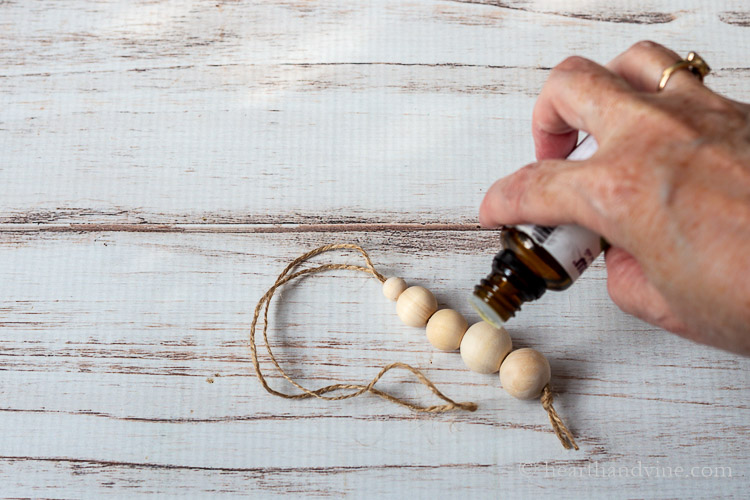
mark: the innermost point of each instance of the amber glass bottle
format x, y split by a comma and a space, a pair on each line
535, 259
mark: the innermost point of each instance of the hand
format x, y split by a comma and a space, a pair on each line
669, 188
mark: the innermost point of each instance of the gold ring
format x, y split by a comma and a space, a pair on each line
693, 62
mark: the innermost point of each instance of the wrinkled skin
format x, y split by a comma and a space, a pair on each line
669, 188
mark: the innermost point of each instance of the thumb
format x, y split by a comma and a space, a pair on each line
632, 292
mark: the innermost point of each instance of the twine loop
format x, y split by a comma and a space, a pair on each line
355, 389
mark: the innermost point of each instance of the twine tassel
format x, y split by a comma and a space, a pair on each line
562, 432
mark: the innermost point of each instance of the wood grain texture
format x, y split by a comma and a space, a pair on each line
125, 363
301, 112
162, 161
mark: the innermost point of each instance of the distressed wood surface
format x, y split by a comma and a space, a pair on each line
125, 359
161, 162
302, 112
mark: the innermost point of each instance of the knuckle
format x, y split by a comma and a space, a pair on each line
615, 190
518, 190
573, 64
545, 171
646, 53
718, 123
519, 181
590, 77
728, 109
542, 184
644, 46
677, 127
647, 112
618, 186
639, 50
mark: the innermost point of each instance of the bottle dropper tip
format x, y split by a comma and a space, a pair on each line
485, 312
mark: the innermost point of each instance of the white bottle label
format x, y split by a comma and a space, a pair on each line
574, 247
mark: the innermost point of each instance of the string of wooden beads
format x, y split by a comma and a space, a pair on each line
524, 373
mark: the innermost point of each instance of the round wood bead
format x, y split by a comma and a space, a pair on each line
445, 329
393, 287
415, 305
524, 373
484, 347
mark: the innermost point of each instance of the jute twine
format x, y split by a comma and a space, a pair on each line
562, 432
354, 390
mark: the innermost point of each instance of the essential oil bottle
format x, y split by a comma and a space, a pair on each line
535, 259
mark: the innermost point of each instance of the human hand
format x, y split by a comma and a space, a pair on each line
669, 188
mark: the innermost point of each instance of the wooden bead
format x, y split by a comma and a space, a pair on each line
484, 347
524, 373
445, 329
415, 305
393, 287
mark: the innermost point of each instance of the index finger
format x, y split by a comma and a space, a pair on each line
579, 95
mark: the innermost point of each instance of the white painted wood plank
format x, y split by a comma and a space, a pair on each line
108, 341
252, 112
123, 359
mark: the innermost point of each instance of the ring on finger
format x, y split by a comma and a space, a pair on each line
693, 63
